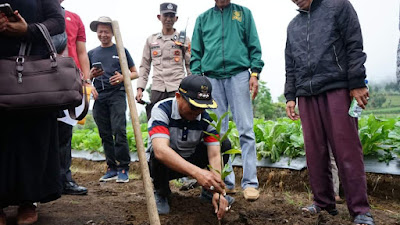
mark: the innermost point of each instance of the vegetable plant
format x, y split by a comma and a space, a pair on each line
232, 152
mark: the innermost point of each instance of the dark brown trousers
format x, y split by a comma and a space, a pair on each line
324, 119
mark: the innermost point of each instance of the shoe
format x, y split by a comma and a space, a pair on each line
27, 214
162, 204
231, 191
111, 174
314, 209
188, 183
364, 219
251, 194
339, 200
207, 196
72, 188
3, 219
123, 176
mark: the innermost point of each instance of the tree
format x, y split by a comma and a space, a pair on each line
263, 107
282, 98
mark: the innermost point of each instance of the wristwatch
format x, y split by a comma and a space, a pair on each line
254, 74
88, 81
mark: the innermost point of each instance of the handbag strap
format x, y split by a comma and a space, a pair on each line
43, 29
71, 111
22, 50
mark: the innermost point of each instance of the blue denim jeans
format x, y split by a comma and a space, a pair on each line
234, 93
109, 115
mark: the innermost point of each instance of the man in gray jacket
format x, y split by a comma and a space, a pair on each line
325, 71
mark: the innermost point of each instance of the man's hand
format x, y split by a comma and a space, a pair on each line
223, 205
253, 87
116, 79
207, 179
94, 92
361, 95
290, 110
139, 94
95, 72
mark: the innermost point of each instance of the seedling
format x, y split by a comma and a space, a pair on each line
232, 152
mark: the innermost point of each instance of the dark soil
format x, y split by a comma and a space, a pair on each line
282, 194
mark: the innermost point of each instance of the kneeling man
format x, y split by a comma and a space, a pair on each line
179, 147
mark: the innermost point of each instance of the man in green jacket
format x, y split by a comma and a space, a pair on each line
225, 48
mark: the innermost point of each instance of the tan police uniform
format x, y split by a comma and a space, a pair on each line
169, 61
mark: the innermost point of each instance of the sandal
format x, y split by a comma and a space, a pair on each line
314, 209
364, 219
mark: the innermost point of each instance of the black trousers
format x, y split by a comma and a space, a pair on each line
109, 115
162, 174
64, 143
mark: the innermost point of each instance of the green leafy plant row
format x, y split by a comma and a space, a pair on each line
275, 139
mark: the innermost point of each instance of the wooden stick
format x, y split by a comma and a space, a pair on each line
148, 186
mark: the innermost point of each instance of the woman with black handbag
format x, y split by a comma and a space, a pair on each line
29, 163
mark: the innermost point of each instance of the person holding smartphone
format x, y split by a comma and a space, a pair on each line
29, 160
110, 106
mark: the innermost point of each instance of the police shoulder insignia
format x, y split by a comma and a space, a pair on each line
237, 15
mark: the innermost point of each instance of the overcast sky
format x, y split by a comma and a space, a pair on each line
138, 19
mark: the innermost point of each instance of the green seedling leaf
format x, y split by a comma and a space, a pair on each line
225, 172
211, 168
211, 123
226, 134
232, 152
219, 124
213, 115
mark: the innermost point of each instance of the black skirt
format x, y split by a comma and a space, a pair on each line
29, 160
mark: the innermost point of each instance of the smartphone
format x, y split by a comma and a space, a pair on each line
8, 11
98, 65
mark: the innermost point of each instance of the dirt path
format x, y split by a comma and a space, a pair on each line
282, 193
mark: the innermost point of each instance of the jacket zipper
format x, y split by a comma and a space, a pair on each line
308, 46
337, 59
223, 40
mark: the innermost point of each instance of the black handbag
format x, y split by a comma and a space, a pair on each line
29, 82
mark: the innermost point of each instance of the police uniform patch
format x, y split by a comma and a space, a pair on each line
237, 15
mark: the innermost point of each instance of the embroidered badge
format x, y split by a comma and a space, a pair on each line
169, 6
237, 15
177, 52
204, 93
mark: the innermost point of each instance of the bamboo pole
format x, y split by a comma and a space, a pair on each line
148, 186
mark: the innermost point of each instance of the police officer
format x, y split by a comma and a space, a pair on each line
170, 58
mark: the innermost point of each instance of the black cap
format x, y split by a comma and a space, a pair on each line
168, 8
197, 91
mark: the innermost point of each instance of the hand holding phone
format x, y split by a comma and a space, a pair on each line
97, 65
8, 12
